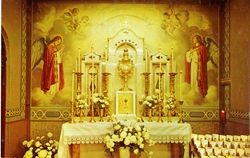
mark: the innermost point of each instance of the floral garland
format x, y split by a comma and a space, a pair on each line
100, 100
133, 137
41, 147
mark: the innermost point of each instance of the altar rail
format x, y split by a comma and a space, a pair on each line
94, 133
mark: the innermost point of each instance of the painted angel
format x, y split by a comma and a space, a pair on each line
196, 63
50, 53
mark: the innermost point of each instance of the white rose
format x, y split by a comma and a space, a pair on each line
123, 134
110, 144
141, 146
37, 150
49, 148
117, 127
137, 128
125, 129
107, 138
49, 153
115, 137
133, 139
28, 154
49, 134
38, 144
42, 154
25, 142
30, 143
136, 151
127, 141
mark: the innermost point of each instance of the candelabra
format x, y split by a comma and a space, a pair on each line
78, 76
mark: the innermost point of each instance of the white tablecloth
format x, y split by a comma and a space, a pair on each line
94, 133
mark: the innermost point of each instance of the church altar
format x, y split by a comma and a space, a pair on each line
144, 90
94, 133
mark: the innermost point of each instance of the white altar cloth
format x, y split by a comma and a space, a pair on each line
94, 133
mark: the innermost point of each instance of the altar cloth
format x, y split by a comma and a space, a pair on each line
94, 133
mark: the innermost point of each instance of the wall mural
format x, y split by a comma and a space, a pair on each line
61, 31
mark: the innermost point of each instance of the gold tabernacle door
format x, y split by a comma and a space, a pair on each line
125, 102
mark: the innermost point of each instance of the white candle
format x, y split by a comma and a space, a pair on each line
76, 67
146, 61
181, 85
104, 67
172, 61
73, 85
160, 63
79, 62
174, 66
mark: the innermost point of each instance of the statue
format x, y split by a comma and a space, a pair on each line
125, 69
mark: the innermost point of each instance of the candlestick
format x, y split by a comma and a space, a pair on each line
181, 85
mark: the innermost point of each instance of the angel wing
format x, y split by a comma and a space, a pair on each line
37, 52
213, 51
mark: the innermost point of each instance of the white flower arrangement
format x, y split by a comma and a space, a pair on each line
100, 100
170, 103
133, 137
81, 101
41, 147
151, 101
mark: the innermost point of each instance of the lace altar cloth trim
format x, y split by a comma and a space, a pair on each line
94, 133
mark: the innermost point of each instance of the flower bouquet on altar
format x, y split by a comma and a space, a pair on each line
101, 102
133, 138
80, 104
150, 102
44, 146
170, 105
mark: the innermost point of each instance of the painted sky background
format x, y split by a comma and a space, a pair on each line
161, 26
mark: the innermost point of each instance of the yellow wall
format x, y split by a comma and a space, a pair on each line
239, 56
16, 128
